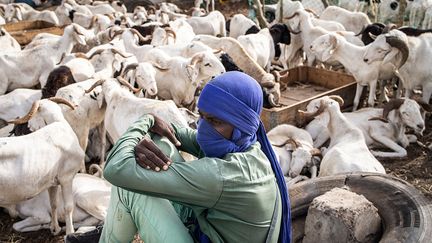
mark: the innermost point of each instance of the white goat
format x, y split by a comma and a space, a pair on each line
240, 24
54, 161
301, 21
335, 47
7, 42
389, 131
348, 151
27, 68
180, 77
411, 54
352, 21
17, 103
212, 24
294, 147
123, 108
87, 115
17, 11
91, 196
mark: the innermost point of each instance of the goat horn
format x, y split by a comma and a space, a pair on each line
306, 117
128, 68
81, 55
116, 33
338, 99
110, 16
401, 45
76, 29
277, 75
61, 58
315, 152
156, 65
393, 104
127, 84
92, 22
60, 100
372, 36
312, 12
423, 105
271, 100
217, 51
292, 16
28, 116
115, 51
140, 37
97, 83
389, 27
196, 59
97, 52
169, 30
151, 8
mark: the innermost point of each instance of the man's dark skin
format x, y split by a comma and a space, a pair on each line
149, 156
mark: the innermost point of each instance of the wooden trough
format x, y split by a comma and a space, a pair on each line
304, 85
24, 31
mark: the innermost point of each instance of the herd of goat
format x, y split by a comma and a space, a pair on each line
65, 99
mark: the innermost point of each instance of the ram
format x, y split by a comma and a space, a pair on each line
411, 54
53, 161
346, 140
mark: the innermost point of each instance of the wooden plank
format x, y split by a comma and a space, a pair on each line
27, 25
313, 83
26, 36
25, 31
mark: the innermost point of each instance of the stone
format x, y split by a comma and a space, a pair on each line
342, 216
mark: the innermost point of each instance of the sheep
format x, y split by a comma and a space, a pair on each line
240, 56
411, 54
7, 42
91, 196
380, 126
54, 161
17, 11
263, 46
86, 116
17, 103
346, 140
302, 22
123, 108
366, 74
187, 74
212, 24
17, 72
301, 148
352, 21
242, 25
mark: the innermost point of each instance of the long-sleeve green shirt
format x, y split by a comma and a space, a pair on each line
233, 198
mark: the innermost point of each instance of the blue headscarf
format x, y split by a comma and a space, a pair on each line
236, 98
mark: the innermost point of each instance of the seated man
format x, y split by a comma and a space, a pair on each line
234, 192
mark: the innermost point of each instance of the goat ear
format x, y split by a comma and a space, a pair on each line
80, 39
328, 53
18, 14
192, 74
117, 64
391, 55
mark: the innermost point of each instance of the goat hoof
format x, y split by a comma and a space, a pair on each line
55, 230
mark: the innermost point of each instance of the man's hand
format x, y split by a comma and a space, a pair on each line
161, 128
147, 153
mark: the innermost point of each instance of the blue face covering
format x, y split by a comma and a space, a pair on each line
236, 98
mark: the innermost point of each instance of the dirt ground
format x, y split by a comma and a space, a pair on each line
416, 168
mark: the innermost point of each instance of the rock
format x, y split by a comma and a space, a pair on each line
342, 216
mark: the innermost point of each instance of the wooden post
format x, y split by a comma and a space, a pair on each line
260, 15
281, 11
401, 14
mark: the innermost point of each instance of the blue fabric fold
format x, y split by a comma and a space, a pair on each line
236, 98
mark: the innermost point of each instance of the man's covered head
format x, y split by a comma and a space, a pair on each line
235, 98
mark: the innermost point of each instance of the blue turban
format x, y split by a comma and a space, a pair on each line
236, 98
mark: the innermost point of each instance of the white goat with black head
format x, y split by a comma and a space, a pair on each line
54, 161
346, 140
411, 54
